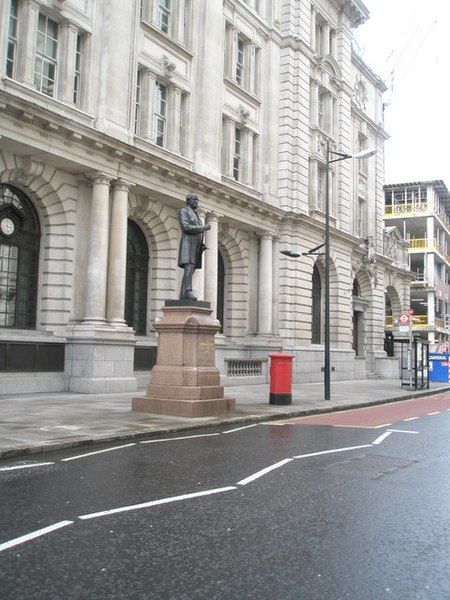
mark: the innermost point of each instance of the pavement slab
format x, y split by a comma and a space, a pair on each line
35, 423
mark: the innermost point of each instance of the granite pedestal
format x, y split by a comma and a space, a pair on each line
185, 380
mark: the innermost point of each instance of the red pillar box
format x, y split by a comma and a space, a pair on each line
281, 379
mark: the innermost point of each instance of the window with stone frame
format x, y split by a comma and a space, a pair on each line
326, 111
137, 103
242, 59
11, 54
78, 73
361, 217
46, 58
237, 154
19, 259
324, 35
171, 17
321, 186
239, 151
50, 57
160, 114
161, 111
164, 15
363, 162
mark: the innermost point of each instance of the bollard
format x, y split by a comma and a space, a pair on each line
280, 379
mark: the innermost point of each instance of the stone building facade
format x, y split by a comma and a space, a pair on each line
111, 112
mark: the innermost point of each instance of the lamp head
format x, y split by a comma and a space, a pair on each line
365, 153
291, 253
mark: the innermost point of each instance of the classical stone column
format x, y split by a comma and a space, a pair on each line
326, 39
247, 163
211, 261
179, 25
208, 54
174, 131
29, 23
198, 280
148, 81
97, 250
313, 28
70, 36
228, 147
265, 285
117, 260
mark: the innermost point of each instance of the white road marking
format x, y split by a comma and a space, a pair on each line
438, 412
240, 428
251, 478
261, 473
382, 438
56, 427
411, 419
97, 452
33, 535
402, 431
332, 451
30, 466
381, 426
184, 437
113, 511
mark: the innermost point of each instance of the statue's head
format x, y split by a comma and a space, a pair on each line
192, 200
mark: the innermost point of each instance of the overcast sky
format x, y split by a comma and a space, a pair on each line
407, 43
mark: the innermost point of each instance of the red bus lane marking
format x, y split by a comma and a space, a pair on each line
378, 416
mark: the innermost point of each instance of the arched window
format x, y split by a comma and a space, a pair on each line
19, 259
356, 291
137, 280
316, 329
220, 291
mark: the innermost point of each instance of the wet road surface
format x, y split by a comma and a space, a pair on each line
262, 511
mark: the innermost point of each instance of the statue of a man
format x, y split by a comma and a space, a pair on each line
191, 244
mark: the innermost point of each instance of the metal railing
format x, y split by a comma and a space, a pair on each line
427, 245
391, 210
395, 210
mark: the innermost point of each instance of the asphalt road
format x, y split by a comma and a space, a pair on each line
297, 510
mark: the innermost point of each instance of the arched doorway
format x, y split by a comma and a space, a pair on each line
220, 291
19, 259
136, 279
359, 307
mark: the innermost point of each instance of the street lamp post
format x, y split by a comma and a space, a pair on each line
331, 157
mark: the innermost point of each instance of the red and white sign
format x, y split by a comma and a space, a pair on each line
404, 319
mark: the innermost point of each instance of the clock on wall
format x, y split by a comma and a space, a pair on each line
7, 226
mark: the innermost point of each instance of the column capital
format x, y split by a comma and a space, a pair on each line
100, 177
122, 184
265, 235
214, 216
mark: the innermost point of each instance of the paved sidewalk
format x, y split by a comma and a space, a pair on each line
33, 423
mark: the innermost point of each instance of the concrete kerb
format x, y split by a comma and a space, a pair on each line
84, 441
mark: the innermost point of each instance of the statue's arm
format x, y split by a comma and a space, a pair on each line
188, 227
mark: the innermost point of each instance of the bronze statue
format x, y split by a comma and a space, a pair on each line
191, 244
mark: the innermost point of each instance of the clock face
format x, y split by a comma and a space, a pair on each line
7, 226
